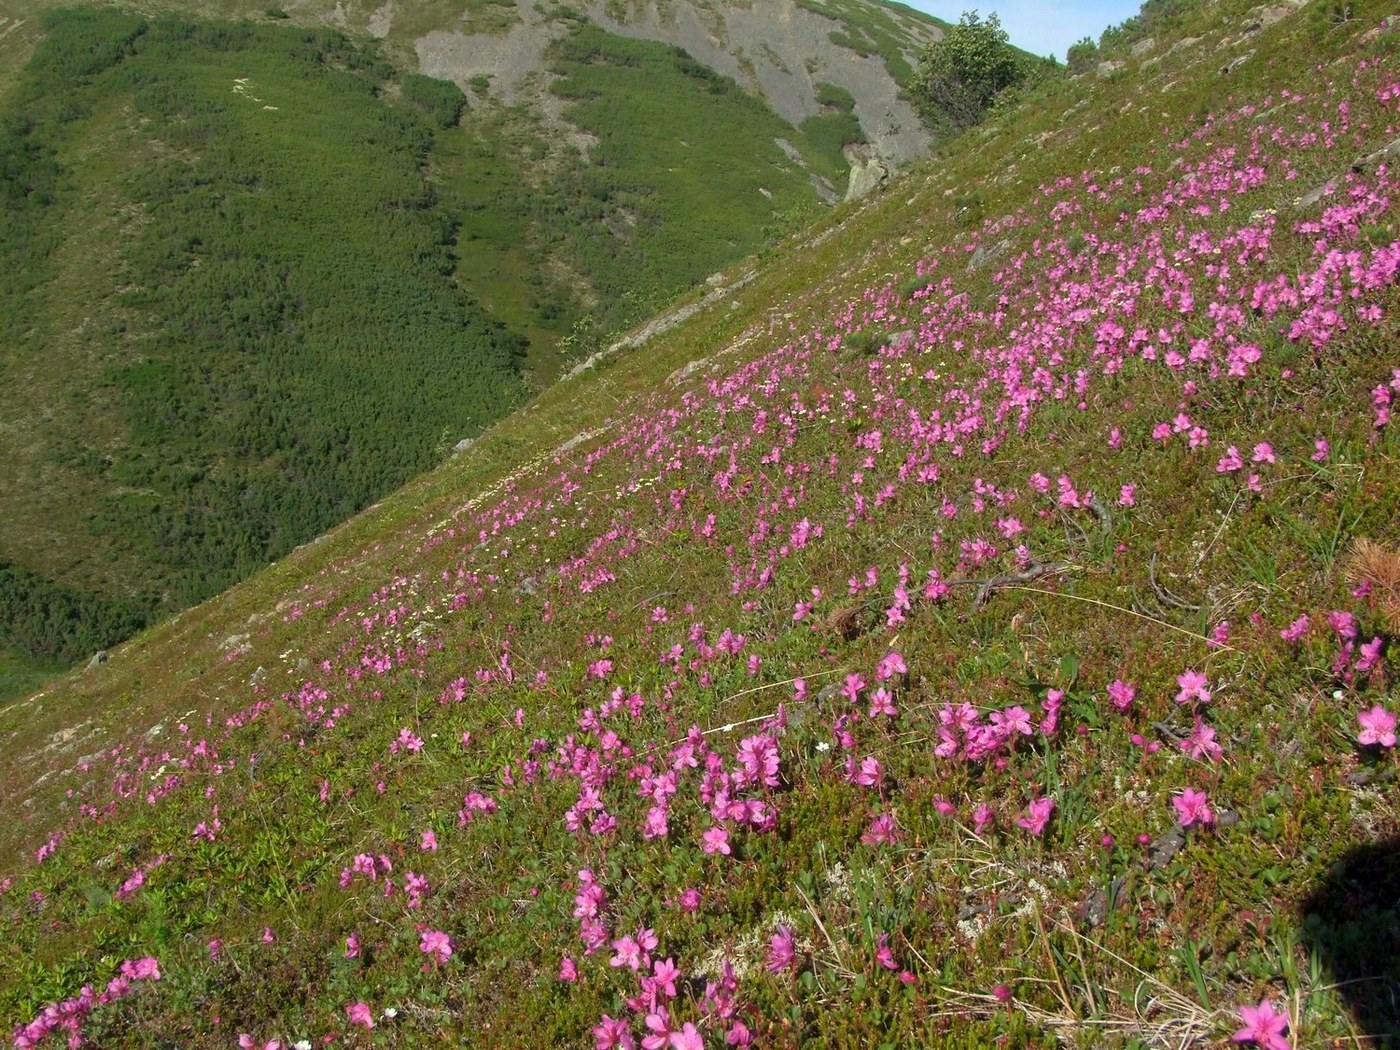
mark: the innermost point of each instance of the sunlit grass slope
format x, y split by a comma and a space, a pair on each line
976, 630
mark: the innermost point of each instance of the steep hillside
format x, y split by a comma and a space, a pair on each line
974, 628
258, 273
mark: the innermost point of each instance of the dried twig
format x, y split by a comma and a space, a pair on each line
1008, 579
1165, 596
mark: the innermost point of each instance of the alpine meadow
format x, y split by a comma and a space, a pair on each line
961, 615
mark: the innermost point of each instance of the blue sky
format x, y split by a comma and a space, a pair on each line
1042, 27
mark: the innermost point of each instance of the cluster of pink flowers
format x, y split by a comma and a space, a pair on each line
69, 1016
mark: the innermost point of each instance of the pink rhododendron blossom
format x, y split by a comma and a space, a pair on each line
1121, 694
1193, 686
1377, 727
437, 944
715, 840
882, 703
882, 831
883, 955
1230, 462
1192, 808
359, 1013
782, 952
1263, 1027
1201, 743
609, 1033
891, 664
983, 817
1037, 815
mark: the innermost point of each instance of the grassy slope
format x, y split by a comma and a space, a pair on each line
512, 593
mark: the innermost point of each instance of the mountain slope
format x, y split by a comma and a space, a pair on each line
957, 633
257, 274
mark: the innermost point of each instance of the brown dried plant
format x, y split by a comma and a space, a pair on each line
1378, 566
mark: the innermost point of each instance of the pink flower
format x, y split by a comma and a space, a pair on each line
665, 973
610, 1033
658, 1023
983, 817
1263, 1027
359, 1013
1263, 453
1201, 743
851, 690
1194, 685
429, 841
144, 969
715, 840
690, 899
1323, 448
1013, 720
1370, 656
628, 953
1377, 727
1037, 815
1230, 462
882, 830
1295, 630
1192, 808
781, 950
568, 970
1127, 496
883, 955
890, 665
1121, 693
869, 774
437, 944
882, 703
352, 946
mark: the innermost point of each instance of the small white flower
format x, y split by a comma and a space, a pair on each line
302, 1044
1339, 694
823, 745
390, 1013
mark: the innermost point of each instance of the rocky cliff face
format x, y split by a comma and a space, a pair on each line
780, 50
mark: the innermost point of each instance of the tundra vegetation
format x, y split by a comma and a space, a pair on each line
976, 630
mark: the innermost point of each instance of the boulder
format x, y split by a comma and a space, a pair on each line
868, 172
1235, 63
